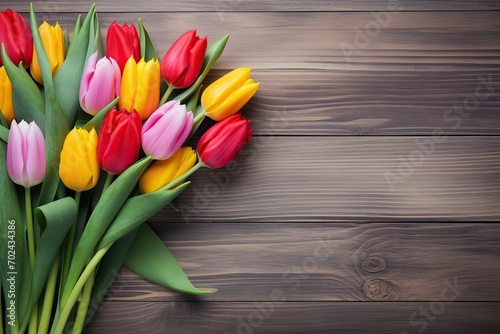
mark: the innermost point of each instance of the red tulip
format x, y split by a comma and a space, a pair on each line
224, 141
182, 63
121, 43
119, 140
16, 36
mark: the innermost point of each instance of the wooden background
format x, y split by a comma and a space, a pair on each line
367, 200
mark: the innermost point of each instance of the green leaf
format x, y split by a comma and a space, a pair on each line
199, 112
150, 258
106, 209
147, 49
67, 80
3, 121
212, 54
136, 211
13, 244
76, 31
96, 121
4, 133
95, 41
26, 96
56, 123
109, 267
56, 218
192, 102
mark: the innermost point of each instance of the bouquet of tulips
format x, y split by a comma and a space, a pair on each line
93, 144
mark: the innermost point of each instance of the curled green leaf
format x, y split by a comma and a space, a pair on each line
56, 219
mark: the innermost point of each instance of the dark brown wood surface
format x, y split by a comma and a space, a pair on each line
358, 207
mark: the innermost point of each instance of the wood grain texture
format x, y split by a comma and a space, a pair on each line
327, 262
255, 5
421, 72
315, 228
298, 318
353, 179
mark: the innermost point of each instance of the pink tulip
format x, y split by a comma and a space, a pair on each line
100, 83
166, 130
26, 154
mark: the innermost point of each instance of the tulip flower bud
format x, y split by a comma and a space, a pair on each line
182, 63
166, 130
6, 105
26, 154
53, 43
100, 83
16, 37
119, 140
228, 94
79, 169
224, 141
121, 43
140, 87
162, 172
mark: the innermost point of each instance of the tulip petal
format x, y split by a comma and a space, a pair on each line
15, 161
87, 75
233, 102
35, 155
224, 141
224, 86
101, 91
166, 130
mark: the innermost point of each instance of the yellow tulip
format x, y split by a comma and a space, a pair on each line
79, 169
140, 87
6, 106
53, 43
162, 172
227, 95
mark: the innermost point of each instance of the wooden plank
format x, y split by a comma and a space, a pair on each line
280, 316
346, 40
282, 179
256, 5
423, 71
327, 262
351, 102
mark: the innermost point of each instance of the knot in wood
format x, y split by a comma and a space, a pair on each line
379, 289
373, 264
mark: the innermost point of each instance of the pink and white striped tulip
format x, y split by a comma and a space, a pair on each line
100, 83
26, 154
166, 130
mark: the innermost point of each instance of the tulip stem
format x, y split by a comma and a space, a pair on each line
107, 183
48, 301
167, 94
31, 253
199, 118
29, 227
71, 242
83, 305
75, 292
